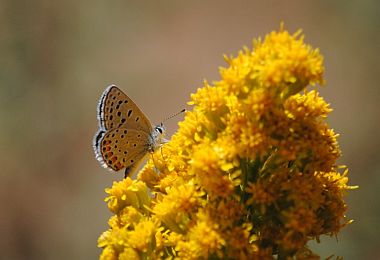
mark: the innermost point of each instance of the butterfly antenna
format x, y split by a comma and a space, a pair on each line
176, 114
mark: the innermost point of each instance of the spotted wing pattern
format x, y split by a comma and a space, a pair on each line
123, 148
125, 134
116, 109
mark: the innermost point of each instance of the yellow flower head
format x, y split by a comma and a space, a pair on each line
127, 193
173, 207
251, 172
203, 239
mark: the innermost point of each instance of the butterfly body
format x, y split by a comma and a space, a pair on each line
125, 134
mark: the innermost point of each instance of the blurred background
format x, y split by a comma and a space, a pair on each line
57, 57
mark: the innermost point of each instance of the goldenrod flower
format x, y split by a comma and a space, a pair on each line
173, 207
127, 193
251, 172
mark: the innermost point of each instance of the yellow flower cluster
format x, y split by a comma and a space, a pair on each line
250, 174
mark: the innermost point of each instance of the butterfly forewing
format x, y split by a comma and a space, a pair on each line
116, 109
122, 148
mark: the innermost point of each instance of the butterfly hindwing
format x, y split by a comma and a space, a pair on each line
116, 109
122, 148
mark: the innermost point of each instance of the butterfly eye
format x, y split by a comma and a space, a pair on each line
159, 129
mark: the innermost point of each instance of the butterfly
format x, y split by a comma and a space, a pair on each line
125, 134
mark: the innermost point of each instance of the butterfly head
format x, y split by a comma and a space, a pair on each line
157, 137
160, 130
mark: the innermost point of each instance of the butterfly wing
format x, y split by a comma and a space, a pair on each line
116, 109
122, 148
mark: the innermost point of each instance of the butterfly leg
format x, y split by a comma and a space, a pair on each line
163, 158
162, 155
127, 171
154, 162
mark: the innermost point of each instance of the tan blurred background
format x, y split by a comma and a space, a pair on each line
58, 56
